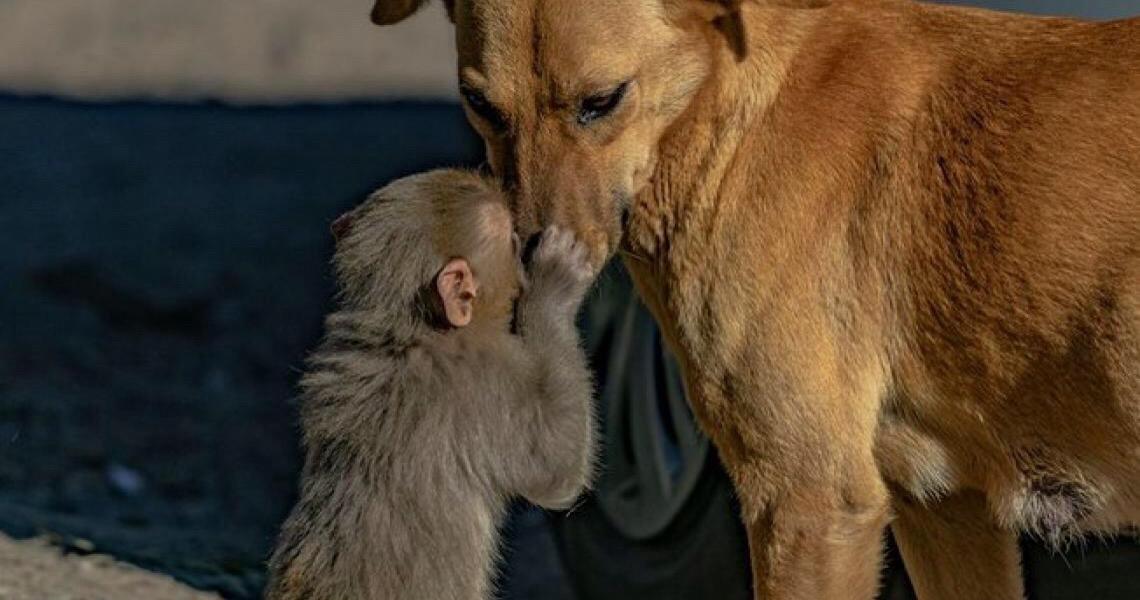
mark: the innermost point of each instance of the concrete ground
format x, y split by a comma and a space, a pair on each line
253, 51
35, 569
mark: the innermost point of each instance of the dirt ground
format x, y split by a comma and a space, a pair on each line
35, 569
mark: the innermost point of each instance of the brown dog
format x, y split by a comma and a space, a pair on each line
896, 245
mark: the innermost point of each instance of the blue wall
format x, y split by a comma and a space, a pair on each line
1093, 9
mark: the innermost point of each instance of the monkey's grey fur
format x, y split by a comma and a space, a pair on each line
416, 438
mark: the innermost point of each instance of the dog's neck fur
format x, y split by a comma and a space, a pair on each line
684, 186
769, 145
755, 44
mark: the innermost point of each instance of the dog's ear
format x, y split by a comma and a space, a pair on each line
797, 3
387, 12
709, 9
714, 9
728, 6
719, 9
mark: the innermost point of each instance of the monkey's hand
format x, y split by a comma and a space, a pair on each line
559, 274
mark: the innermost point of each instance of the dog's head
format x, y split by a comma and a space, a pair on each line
573, 96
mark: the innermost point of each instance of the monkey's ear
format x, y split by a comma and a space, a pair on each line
387, 12
341, 226
457, 290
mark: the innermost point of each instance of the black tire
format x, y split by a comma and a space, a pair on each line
702, 554
662, 522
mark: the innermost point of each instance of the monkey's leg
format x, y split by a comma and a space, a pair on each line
953, 550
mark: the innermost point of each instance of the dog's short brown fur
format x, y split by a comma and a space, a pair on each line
896, 245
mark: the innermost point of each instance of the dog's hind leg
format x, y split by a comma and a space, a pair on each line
953, 550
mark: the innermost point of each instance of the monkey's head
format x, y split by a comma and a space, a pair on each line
438, 247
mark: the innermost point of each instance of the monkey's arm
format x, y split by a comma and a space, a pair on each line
561, 439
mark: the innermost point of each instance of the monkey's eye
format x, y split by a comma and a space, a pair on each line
479, 104
602, 105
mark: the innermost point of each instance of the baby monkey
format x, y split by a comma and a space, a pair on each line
423, 413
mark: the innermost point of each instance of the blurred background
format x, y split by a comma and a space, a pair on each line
168, 171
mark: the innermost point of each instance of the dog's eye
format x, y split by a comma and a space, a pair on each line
483, 107
596, 107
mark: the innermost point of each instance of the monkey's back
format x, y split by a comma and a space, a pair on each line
392, 502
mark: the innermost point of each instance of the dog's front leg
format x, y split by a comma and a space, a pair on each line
953, 550
821, 542
812, 499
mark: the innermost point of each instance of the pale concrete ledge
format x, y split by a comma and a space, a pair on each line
33, 570
242, 51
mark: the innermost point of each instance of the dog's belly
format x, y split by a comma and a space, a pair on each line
1036, 489
1045, 421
